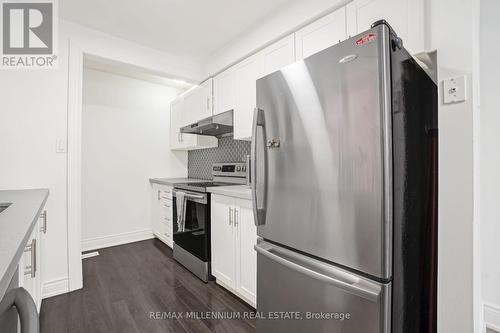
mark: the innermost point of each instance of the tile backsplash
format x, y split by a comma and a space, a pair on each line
200, 161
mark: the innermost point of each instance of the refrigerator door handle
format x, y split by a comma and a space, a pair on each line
321, 271
259, 212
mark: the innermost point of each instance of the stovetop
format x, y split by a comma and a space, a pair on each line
202, 186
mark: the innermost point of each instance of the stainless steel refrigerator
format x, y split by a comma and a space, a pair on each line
344, 157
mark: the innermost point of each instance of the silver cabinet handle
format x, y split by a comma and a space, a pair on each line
321, 271
208, 103
259, 212
25, 306
32, 268
235, 219
158, 194
230, 216
43, 216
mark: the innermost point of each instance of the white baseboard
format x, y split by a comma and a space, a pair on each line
492, 317
113, 240
55, 287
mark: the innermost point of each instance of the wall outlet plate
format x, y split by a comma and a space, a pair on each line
454, 90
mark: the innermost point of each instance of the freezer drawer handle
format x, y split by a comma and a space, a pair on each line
338, 278
259, 212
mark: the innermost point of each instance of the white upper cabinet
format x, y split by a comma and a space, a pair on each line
406, 17
246, 74
224, 92
180, 116
198, 102
278, 55
321, 34
206, 99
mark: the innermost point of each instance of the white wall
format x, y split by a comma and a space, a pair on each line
125, 141
490, 154
33, 113
33, 116
451, 32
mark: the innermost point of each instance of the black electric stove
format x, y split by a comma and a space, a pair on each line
191, 226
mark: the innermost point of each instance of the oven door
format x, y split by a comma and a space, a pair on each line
196, 235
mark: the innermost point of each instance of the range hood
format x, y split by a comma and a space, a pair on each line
217, 125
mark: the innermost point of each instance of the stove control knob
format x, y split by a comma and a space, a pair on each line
238, 168
244, 168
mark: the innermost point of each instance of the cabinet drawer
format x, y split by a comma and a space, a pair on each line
166, 194
166, 203
167, 219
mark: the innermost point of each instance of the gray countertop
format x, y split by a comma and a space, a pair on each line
237, 191
173, 181
16, 226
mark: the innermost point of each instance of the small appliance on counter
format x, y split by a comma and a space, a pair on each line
191, 215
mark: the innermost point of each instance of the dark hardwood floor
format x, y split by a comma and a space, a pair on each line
125, 284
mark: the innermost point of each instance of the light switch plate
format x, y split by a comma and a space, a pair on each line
454, 90
61, 146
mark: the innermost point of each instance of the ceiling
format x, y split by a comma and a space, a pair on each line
188, 28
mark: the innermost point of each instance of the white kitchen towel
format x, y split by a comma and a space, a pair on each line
180, 198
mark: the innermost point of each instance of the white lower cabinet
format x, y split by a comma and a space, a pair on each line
162, 213
233, 236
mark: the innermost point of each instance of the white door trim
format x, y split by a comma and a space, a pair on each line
74, 181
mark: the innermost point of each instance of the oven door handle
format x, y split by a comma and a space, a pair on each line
192, 196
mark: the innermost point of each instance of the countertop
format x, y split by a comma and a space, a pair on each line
173, 181
237, 191
16, 225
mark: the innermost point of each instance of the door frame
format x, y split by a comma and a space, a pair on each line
74, 165
78, 50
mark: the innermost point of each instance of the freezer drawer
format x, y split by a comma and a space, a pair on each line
291, 282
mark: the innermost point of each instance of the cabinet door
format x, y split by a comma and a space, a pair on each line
246, 74
197, 103
206, 99
320, 34
191, 105
222, 241
278, 55
224, 98
179, 140
406, 17
247, 258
